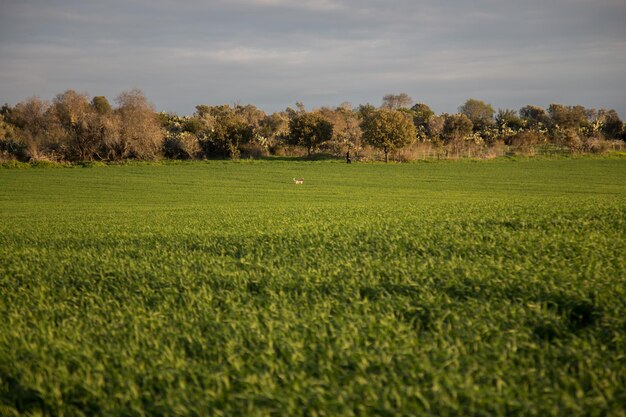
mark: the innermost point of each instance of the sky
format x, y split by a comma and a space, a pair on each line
274, 53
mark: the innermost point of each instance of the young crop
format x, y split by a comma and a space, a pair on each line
220, 288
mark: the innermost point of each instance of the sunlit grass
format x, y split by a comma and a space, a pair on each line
449, 288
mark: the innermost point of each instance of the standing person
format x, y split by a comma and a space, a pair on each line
348, 160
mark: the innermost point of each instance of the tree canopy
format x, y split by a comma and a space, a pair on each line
309, 129
388, 129
74, 127
479, 113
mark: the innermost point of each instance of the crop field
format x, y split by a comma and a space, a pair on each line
222, 288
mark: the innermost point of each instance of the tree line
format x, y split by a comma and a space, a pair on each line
72, 127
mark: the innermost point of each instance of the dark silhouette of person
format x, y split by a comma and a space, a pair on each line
348, 160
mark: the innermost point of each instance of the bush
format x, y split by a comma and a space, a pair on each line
525, 141
597, 146
253, 150
13, 149
183, 145
287, 150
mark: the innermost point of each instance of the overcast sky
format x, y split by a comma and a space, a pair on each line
272, 53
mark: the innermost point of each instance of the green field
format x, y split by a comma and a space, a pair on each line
221, 288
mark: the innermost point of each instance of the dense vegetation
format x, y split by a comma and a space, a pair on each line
74, 128
221, 288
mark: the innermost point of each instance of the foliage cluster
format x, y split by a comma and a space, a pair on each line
73, 128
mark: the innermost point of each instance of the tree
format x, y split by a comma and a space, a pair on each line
569, 117
422, 117
508, 121
610, 123
227, 128
309, 129
479, 112
80, 124
388, 129
180, 136
456, 127
140, 135
33, 127
534, 117
366, 110
346, 128
101, 105
6, 130
273, 128
396, 101
9, 144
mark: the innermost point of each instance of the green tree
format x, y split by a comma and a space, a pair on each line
479, 112
101, 105
388, 129
309, 129
422, 118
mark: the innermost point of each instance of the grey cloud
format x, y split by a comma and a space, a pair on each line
275, 52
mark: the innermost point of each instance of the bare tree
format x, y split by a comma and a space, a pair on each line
140, 135
80, 123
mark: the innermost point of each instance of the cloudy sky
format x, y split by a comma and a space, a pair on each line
272, 53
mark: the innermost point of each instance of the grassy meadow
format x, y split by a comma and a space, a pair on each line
221, 288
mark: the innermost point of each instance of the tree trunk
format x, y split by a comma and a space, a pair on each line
386, 155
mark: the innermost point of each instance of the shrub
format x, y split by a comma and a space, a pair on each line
11, 148
525, 141
183, 145
253, 150
571, 139
597, 146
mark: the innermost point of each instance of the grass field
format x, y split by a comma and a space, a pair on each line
221, 288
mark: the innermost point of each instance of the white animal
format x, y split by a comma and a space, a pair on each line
298, 180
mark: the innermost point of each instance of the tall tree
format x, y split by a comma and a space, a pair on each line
388, 130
